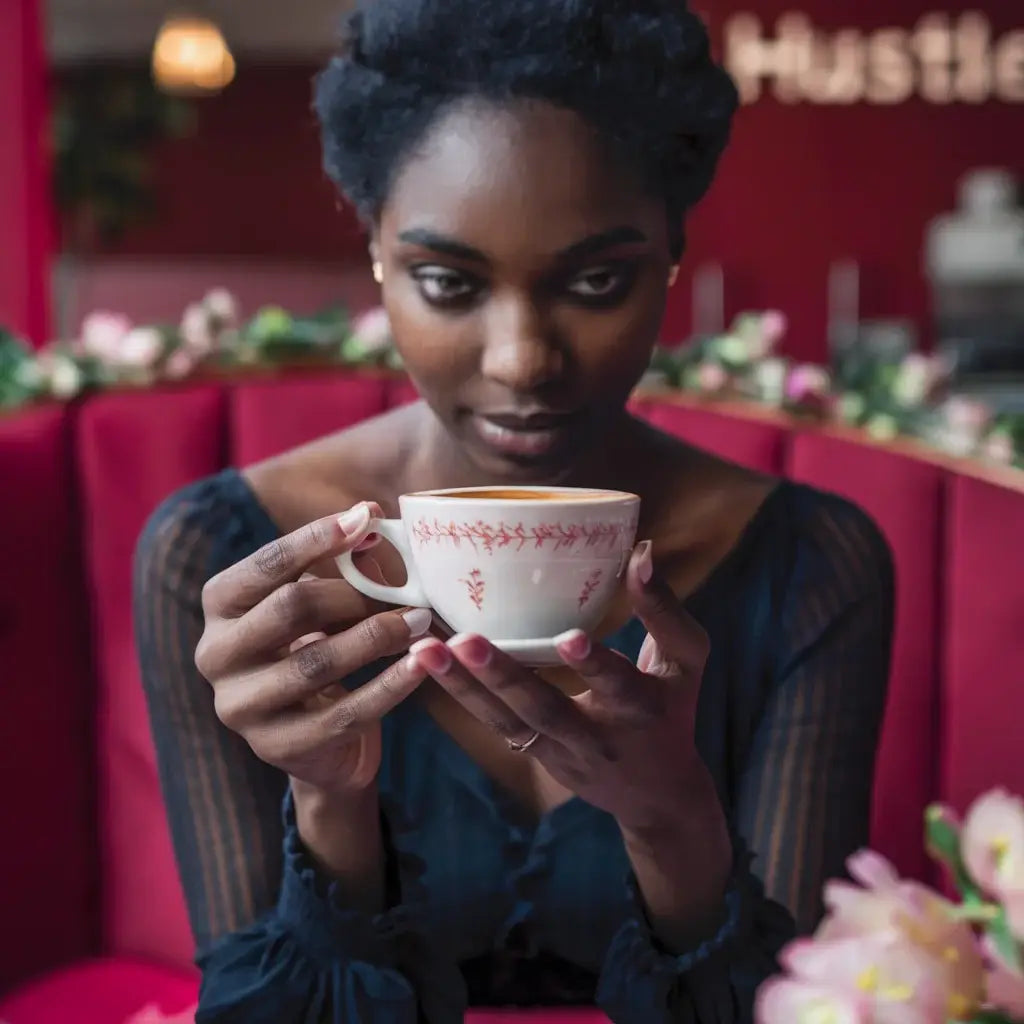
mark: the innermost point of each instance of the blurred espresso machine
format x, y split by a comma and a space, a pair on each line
974, 261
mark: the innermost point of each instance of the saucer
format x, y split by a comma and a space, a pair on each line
539, 653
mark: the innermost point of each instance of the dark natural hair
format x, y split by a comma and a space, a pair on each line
639, 71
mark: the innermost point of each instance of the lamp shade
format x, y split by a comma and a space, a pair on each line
191, 56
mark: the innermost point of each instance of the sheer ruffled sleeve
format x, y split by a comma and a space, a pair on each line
804, 798
274, 944
312, 961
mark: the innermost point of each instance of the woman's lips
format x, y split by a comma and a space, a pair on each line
532, 437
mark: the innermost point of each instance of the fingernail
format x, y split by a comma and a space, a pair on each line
473, 651
432, 655
418, 620
306, 577
574, 643
354, 520
644, 563
371, 540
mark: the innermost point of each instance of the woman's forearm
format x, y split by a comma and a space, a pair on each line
343, 836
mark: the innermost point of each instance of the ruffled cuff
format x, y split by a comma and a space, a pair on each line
715, 982
311, 960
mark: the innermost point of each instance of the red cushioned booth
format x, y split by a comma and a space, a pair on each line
92, 923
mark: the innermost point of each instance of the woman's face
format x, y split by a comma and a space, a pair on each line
525, 277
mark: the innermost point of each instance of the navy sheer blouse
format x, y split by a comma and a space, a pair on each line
486, 908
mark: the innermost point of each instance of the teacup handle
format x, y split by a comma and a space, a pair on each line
411, 594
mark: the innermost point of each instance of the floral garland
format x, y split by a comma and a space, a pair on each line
885, 397
111, 351
893, 951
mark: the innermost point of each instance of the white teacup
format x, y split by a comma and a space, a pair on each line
518, 565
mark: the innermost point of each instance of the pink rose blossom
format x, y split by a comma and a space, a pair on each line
197, 331
180, 364
222, 305
711, 377
998, 447
373, 330
807, 381
992, 842
141, 348
965, 415
102, 334
773, 328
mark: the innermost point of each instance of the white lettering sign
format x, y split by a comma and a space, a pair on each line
939, 61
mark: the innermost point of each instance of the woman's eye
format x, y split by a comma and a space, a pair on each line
441, 285
600, 283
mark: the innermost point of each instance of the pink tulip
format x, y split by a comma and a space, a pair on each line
992, 842
924, 922
899, 978
789, 1001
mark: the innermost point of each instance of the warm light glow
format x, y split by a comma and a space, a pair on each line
940, 60
191, 56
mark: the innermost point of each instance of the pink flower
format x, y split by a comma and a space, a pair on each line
998, 447
992, 842
899, 979
222, 305
773, 327
102, 334
197, 330
807, 381
921, 920
373, 331
180, 364
789, 1001
141, 348
966, 416
711, 377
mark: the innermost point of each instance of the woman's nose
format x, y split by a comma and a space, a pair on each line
520, 351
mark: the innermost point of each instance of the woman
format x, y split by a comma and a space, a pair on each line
457, 830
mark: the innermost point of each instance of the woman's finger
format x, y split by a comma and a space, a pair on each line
434, 657
543, 707
679, 638
314, 666
233, 592
610, 675
291, 736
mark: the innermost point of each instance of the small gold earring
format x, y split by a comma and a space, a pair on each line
378, 271
673, 275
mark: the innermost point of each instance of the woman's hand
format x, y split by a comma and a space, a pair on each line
277, 640
625, 745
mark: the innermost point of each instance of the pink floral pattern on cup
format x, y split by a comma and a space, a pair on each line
489, 537
476, 586
589, 586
